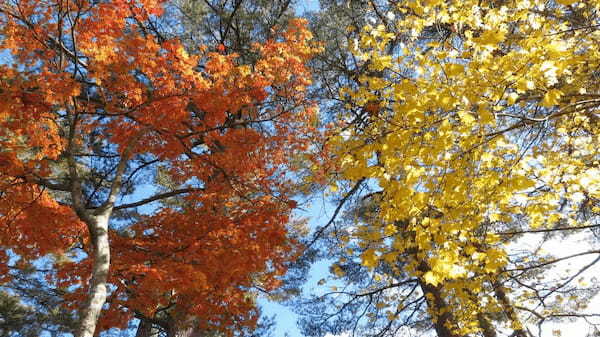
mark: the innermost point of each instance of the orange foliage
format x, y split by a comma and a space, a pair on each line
84, 66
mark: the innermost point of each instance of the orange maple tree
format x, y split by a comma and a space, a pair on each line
159, 173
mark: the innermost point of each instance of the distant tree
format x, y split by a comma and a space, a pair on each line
234, 24
29, 307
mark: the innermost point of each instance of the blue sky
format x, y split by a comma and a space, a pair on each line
318, 213
307, 5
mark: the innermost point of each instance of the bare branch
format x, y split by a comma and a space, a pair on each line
341, 204
547, 230
158, 197
117, 182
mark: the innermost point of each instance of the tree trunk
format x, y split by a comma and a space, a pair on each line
509, 310
173, 327
483, 319
184, 328
487, 329
98, 228
440, 313
146, 329
443, 319
97, 223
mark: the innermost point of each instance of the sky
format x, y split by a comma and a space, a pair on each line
307, 5
317, 213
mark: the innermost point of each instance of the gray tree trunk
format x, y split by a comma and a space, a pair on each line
487, 329
173, 327
98, 227
97, 223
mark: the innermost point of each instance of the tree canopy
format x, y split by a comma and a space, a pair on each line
468, 125
152, 154
103, 117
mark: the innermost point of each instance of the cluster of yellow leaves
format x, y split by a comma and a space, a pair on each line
492, 120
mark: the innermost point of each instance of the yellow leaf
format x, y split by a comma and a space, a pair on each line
492, 37
512, 97
338, 271
390, 229
552, 98
523, 85
390, 257
454, 69
431, 278
466, 118
369, 258
380, 305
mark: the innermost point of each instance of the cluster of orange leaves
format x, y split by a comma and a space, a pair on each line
204, 255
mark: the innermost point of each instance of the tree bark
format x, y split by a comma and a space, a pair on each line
483, 318
186, 328
442, 317
440, 313
487, 329
145, 329
509, 310
98, 228
97, 223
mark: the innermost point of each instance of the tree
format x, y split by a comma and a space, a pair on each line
30, 307
97, 106
234, 24
476, 129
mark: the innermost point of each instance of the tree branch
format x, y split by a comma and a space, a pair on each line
336, 212
546, 230
158, 197
115, 187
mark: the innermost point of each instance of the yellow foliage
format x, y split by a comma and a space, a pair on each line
455, 151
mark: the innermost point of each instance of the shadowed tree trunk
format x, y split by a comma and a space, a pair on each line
483, 318
173, 327
509, 310
440, 312
146, 329
487, 329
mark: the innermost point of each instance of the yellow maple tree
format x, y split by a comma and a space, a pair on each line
487, 119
